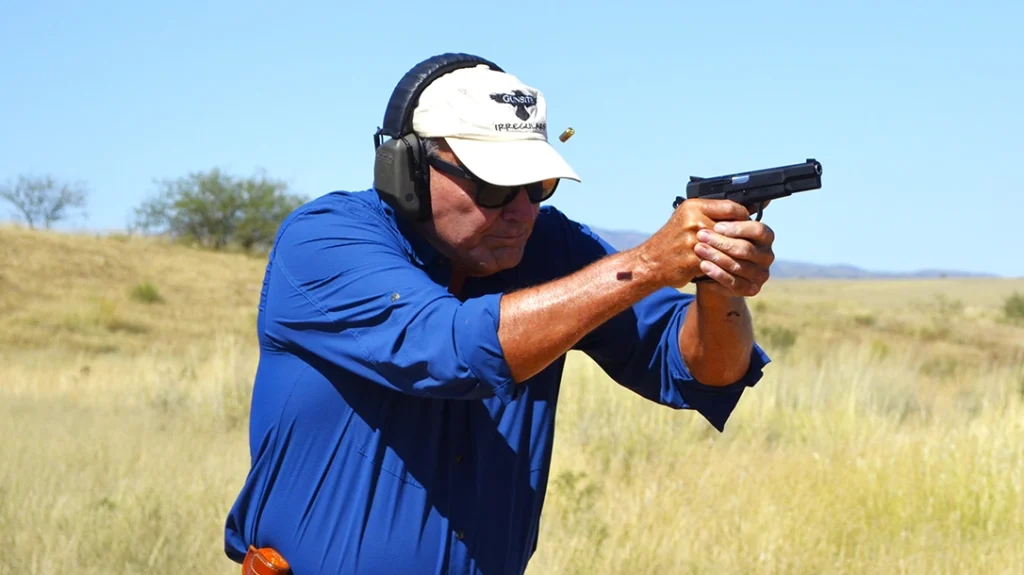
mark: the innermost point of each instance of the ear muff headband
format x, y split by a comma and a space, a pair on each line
400, 174
398, 115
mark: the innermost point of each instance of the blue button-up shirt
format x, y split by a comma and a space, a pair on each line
386, 432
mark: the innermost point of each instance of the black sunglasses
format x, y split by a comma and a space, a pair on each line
489, 195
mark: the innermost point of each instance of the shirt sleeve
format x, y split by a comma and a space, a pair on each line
639, 348
342, 292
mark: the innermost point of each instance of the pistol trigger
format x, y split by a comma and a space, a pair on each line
760, 211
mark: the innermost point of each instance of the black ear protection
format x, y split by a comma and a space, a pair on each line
400, 173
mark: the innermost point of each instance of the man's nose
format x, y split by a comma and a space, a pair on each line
520, 209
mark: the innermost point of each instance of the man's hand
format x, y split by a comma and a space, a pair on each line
737, 255
716, 238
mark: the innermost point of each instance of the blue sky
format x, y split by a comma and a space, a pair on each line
913, 108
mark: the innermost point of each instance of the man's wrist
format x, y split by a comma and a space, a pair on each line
650, 272
642, 270
712, 295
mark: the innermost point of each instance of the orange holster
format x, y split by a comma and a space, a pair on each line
264, 561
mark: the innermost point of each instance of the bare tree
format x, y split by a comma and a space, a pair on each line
43, 200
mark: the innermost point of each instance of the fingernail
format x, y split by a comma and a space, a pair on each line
705, 266
722, 228
704, 236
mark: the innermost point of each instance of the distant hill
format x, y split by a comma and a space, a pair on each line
625, 239
97, 293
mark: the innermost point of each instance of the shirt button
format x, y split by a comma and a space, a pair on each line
460, 534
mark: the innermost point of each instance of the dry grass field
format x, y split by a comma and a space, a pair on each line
886, 437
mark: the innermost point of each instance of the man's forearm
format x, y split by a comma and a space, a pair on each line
541, 323
717, 337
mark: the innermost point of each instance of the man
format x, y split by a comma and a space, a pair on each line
404, 404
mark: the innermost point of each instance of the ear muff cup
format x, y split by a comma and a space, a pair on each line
400, 174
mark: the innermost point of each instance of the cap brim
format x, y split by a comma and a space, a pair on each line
512, 163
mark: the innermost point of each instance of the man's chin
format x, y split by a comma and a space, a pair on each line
500, 260
509, 257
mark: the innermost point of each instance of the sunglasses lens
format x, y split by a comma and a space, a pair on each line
540, 191
491, 196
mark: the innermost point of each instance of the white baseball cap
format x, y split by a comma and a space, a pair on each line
496, 125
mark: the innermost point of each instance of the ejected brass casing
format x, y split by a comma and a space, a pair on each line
566, 134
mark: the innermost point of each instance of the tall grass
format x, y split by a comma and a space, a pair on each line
849, 464
116, 464
887, 437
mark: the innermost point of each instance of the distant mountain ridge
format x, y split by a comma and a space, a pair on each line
625, 239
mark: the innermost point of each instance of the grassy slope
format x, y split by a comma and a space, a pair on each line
74, 292
886, 437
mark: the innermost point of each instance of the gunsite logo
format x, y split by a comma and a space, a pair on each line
519, 101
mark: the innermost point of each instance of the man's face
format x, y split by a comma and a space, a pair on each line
479, 241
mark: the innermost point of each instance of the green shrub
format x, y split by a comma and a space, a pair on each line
865, 320
777, 339
1013, 307
880, 349
146, 292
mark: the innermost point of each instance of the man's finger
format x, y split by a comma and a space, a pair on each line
741, 269
706, 252
737, 248
736, 285
722, 210
756, 232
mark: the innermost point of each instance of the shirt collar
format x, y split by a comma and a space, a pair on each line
419, 248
